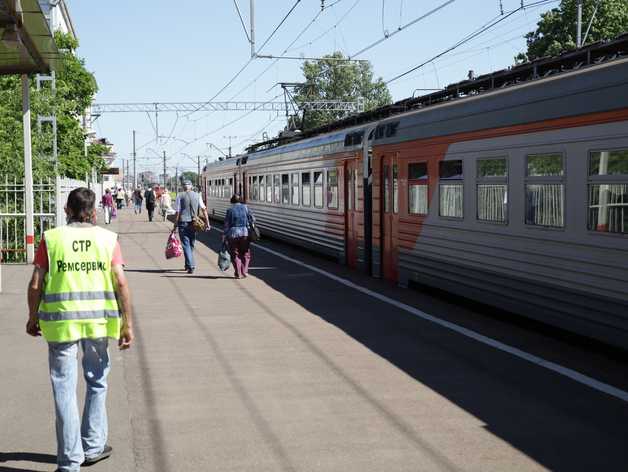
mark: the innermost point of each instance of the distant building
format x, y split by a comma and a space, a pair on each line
150, 176
110, 156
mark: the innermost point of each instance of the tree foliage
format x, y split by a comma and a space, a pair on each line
557, 30
72, 95
338, 80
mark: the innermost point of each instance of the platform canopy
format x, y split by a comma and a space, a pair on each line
38, 52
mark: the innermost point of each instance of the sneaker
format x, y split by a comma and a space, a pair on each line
106, 452
191, 270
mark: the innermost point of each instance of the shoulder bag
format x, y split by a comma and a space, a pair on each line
199, 225
253, 230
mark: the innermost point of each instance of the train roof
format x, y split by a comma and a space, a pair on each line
539, 69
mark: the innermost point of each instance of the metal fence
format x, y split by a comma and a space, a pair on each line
49, 198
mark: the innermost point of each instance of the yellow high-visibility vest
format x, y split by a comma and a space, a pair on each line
78, 297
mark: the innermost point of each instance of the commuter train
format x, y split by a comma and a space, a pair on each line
509, 189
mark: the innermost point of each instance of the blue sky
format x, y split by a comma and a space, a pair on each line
196, 51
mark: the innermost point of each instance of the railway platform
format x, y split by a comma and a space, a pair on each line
309, 366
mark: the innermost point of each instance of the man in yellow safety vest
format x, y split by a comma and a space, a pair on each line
79, 292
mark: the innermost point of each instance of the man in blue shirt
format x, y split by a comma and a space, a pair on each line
186, 206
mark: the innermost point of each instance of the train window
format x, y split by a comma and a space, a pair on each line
609, 163
295, 189
318, 189
332, 189
349, 191
608, 191
386, 189
391, 129
276, 188
544, 190
418, 172
492, 189
450, 193
450, 170
262, 189
358, 137
395, 188
305, 188
269, 188
417, 188
353, 139
254, 189
285, 190
355, 189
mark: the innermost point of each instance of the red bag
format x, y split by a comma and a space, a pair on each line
174, 247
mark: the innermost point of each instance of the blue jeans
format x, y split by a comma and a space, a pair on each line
187, 234
138, 205
77, 440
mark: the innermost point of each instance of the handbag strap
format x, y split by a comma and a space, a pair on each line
193, 212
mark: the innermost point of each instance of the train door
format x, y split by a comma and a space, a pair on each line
352, 213
389, 212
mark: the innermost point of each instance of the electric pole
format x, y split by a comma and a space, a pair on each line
579, 32
229, 142
134, 163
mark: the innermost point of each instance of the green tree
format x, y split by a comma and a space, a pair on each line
72, 94
557, 30
188, 175
338, 80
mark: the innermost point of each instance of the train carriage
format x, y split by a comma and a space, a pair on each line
308, 193
514, 196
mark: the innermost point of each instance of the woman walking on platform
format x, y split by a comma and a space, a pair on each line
119, 198
107, 205
237, 232
165, 205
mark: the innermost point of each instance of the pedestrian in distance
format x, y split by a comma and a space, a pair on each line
119, 198
150, 197
107, 205
183, 207
237, 233
138, 198
79, 294
165, 205
128, 196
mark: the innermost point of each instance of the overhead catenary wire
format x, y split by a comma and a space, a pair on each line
404, 27
473, 35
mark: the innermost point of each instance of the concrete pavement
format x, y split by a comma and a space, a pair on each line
290, 370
